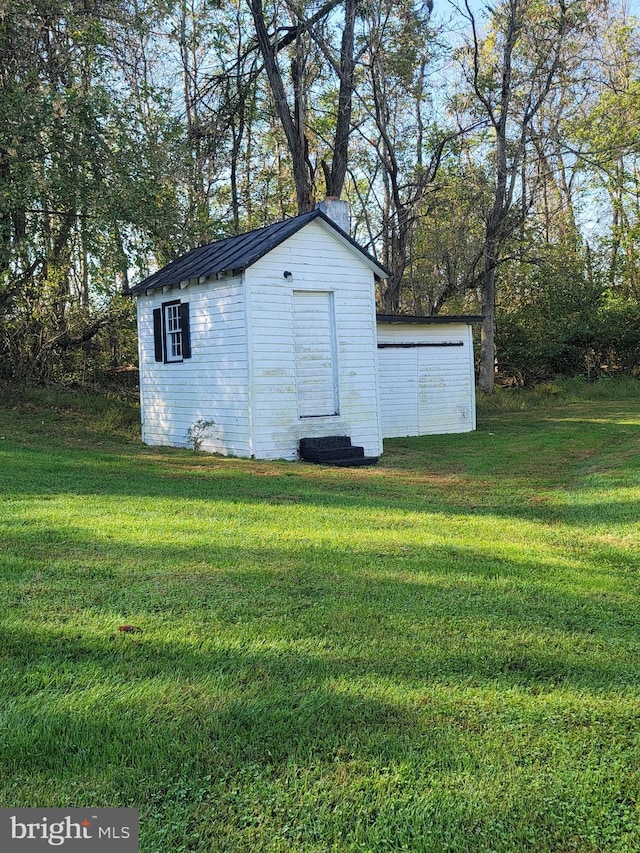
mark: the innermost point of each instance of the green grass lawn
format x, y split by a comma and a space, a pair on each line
438, 654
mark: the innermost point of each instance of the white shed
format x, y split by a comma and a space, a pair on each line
426, 375
270, 337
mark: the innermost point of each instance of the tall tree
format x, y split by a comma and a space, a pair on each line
49, 160
67, 166
291, 119
603, 138
513, 70
395, 102
292, 110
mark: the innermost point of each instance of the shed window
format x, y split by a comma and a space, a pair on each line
171, 332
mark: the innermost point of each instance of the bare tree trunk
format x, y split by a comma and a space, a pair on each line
400, 231
486, 371
336, 175
295, 140
503, 107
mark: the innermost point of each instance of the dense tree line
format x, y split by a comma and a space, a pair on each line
491, 161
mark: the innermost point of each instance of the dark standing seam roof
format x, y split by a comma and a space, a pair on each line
436, 319
237, 253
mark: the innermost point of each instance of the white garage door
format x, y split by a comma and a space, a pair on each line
424, 389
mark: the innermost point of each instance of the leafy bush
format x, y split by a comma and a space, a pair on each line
559, 319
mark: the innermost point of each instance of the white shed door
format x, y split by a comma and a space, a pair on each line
315, 349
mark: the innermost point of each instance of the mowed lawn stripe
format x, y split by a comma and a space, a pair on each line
438, 654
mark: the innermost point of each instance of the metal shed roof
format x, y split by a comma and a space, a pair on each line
235, 254
399, 319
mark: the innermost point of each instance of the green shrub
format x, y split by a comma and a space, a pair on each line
557, 318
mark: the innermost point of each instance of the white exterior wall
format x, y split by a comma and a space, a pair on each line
426, 390
318, 262
212, 384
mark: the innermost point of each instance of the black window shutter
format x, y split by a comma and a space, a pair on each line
186, 331
157, 334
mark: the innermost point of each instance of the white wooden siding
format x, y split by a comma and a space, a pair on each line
426, 390
212, 384
317, 262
